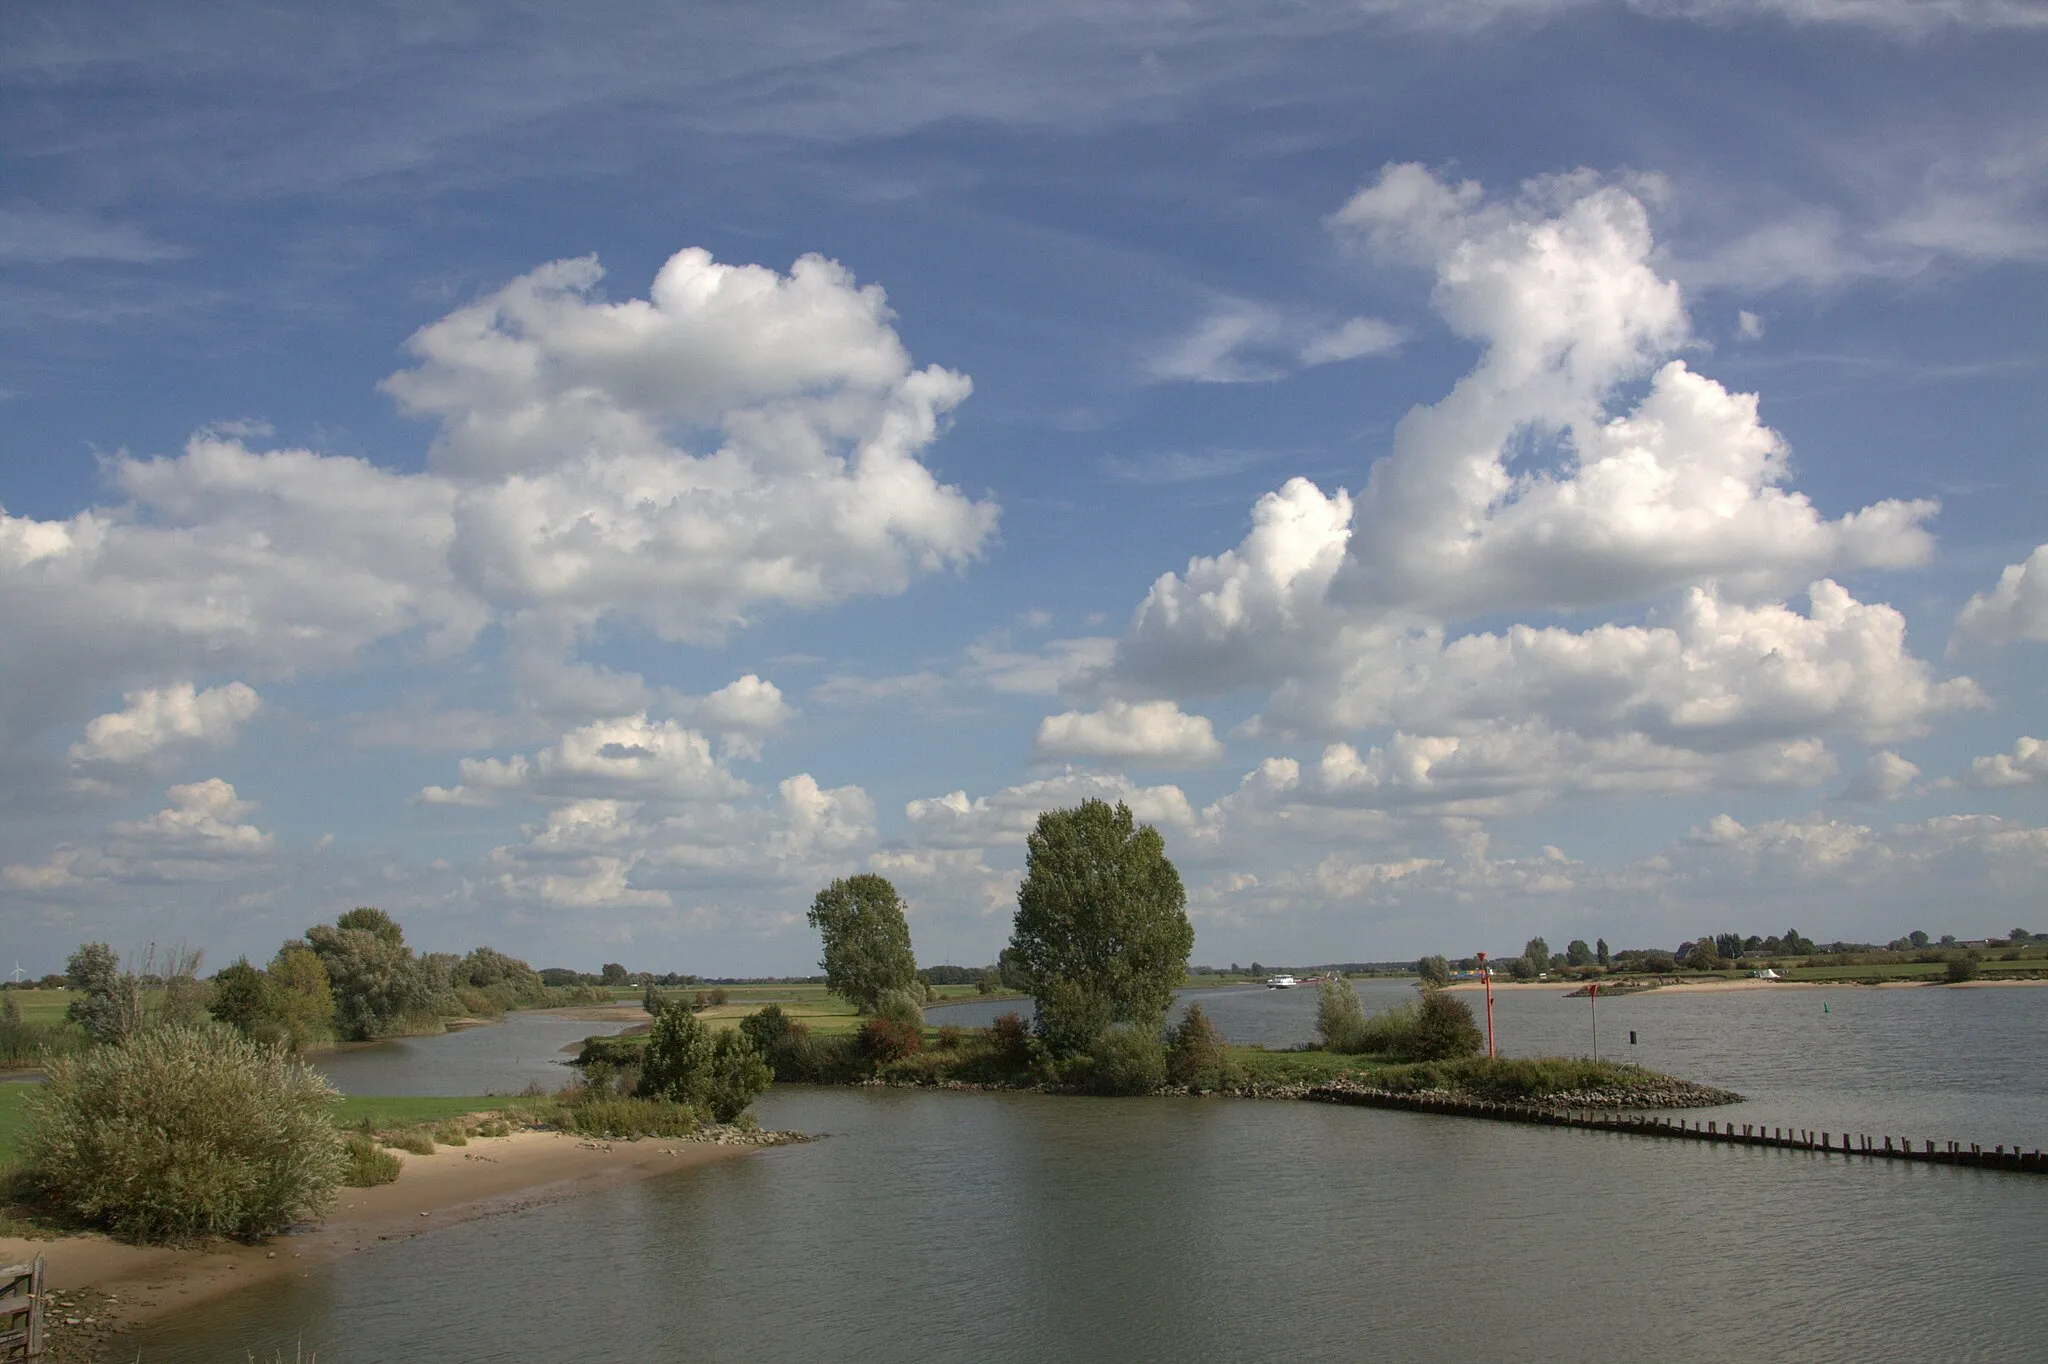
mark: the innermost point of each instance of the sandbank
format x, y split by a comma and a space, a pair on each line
490, 1176
1720, 987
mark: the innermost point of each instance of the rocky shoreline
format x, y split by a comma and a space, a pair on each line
1662, 1092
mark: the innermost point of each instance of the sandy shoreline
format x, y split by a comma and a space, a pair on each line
491, 1175
1719, 987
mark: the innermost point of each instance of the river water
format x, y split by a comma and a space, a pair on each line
1026, 1227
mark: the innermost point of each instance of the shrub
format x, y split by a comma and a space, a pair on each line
677, 1056
366, 1164
494, 1127
685, 1064
1009, 1037
1388, 1032
1071, 1017
902, 1007
624, 1119
949, 1037
453, 1134
1196, 1055
414, 1139
1963, 966
801, 1058
1340, 1018
883, 1040
1444, 1029
766, 1027
23, 1043
738, 1077
183, 1132
1125, 1059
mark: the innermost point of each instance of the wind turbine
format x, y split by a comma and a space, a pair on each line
18, 972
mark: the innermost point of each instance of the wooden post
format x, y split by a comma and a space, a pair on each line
21, 1310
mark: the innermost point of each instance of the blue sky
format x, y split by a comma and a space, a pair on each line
582, 479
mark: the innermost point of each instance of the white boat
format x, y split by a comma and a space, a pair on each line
1766, 974
1281, 982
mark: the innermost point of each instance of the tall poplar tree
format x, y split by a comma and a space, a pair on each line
1102, 933
867, 940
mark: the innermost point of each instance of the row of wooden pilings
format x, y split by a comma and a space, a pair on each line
1681, 1129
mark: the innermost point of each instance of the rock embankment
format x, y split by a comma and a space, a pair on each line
1659, 1092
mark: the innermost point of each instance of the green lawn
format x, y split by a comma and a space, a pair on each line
382, 1111
13, 1117
43, 1006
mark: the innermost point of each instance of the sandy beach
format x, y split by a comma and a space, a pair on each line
490, 1176
1719, 987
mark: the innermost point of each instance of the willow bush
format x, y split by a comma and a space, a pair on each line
181, 1133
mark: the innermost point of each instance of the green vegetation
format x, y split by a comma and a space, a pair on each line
366, 1163
1101, 935
181, 1132
867, 941
619, 1117
1964, 966
1196, 1056
1437, 1027
1497, 1079
687, 1063
26, 1038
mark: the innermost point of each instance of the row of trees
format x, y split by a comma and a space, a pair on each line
354, 979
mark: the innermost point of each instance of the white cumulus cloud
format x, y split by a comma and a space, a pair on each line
2016, 609
2026, 765
1149, 733
156, 720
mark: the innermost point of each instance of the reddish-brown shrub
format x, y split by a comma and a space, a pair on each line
949, 1037
887, 1039
1009, 1037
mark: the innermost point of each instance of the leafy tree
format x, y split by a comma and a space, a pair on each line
1728, 945
867, 940
685, 1064
765, 1027
678, 1054
1918, 937
1537, 954
299, 996
612, 973
1576, 953
238, 997
375, 922
1434, 971
1963, 966
1444, 1029
95, 972
988, 981
1340, 1017
1196, 1054
1703, 955
1601, 954
1102, 933
374, 977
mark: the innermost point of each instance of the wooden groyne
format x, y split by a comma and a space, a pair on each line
1712, 1130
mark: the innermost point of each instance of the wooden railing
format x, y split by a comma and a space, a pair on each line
21, 1310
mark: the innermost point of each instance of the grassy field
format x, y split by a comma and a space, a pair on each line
380, 1111
43, 1006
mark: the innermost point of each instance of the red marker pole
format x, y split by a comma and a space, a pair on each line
1593, 1002
1487, 977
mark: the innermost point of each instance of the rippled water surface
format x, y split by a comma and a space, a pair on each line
1023, 1227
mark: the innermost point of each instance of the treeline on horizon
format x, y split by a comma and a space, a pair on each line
354, 980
